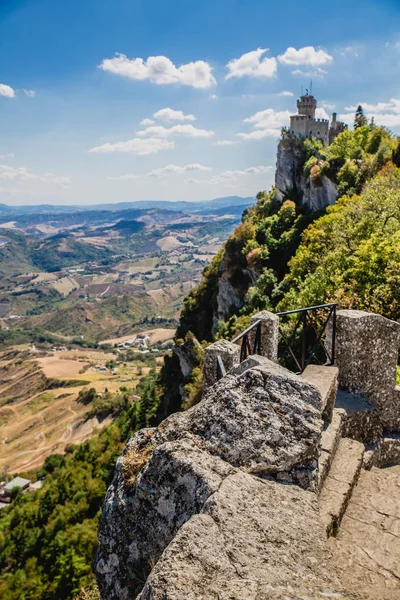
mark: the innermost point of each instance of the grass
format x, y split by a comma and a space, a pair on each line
133, 463
40, 401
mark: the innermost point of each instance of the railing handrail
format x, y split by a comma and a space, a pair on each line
245, 332
252, 344
307, 308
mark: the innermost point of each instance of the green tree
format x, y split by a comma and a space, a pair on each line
360, 119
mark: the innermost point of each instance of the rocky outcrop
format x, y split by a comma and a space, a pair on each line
230, 297
254, 540
189, 486
290, 181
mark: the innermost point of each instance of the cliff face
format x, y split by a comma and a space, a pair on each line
290, 180
230, 295
197, 506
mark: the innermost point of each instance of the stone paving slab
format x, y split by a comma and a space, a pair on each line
339, 484
367, 549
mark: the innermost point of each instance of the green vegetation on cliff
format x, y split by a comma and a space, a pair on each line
48, 537
351, 255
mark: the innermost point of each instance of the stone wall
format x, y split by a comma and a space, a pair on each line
367, 348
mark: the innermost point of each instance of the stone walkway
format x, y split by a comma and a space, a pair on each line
367, 549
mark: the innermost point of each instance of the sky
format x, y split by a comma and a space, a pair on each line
104, 102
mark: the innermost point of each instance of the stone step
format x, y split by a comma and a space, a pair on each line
339, 483
330, 439
325, 380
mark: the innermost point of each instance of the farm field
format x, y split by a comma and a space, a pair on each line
36, 422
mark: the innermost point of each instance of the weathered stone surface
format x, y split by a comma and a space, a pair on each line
367, 550
264, 420
269, 329
261, 418
230, 297
367, 348
186, 354
361, 420
290, 181
229, 354
139, 520
387, 454
330, 439
325, 380
339, 484
255, 540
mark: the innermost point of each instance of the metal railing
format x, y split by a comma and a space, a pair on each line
302, 338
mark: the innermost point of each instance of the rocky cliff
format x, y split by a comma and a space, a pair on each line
200, 507
290, 180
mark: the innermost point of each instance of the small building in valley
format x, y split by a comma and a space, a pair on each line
17, 482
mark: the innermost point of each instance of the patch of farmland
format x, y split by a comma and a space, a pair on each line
53, 367
65, 285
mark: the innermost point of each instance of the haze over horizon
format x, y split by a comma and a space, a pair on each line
103, 103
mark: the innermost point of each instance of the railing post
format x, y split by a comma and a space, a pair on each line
229, 355
265, 336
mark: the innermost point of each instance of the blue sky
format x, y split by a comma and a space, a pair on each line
78, 78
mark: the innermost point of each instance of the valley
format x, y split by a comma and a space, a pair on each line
89, 303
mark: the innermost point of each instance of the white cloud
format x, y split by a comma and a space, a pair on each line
392, 106
327, 105
269, 119
147, 122
22, 174
159, 131
321, 113
6, 90
136, 146
161, 70
177, 169
230, 176
386, 114
248, 171
318, 73
286, 94
125, 177
305, 56
266, 123
260, 134
30, 93
349, 50
168, 114
5, 156
251, 65
213, 96
225, 143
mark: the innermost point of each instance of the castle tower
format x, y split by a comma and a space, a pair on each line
307, 105
304, 124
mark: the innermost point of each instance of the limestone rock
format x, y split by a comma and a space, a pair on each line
231, 296
289, 178
254, 540
367, 347
139, 520
262, 419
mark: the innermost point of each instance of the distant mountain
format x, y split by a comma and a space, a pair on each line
190, 207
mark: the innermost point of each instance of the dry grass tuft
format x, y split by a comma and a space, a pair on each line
133, 463
90, 592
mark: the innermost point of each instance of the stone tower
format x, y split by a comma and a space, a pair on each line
307, 106
304, 124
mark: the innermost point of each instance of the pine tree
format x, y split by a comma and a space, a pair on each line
360, 119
